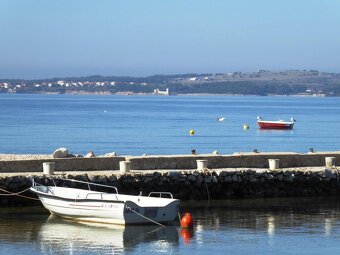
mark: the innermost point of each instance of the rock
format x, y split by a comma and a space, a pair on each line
60, 153
174, 173
214, 179
147, 179
90, 154
253, 180
328, 174
191, 178
199, 179
111, 154
279, 177
234, 178
208, 179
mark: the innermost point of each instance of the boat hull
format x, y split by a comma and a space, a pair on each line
110, 208
275, 125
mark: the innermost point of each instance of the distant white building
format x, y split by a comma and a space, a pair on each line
162, 93
193, 79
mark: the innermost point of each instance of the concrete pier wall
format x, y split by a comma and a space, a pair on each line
67, 164
175, 162
251, 160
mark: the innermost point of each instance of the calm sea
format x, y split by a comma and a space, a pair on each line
134, 125
272, 226
160, 125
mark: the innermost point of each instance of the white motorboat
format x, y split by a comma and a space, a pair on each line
104, 207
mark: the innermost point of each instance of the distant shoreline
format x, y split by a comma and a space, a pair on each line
107, 93
262, 83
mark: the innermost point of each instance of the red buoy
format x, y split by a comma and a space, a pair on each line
187, 221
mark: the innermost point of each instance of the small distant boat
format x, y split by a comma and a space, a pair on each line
276, 124
221, 119
102, 207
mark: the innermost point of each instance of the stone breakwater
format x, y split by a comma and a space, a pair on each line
191, 184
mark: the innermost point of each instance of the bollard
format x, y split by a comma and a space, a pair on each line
330, 161
274, 164
124, 166
48, 168
202, 164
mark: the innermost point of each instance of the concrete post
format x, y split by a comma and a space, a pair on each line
330, 161
202, 164
124, 166
48, 168
274, 164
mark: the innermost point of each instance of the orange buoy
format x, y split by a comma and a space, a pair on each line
187, 234
187, 221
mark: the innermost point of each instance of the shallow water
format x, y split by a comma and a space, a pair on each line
259, 226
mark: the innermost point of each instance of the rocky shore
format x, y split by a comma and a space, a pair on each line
190, 184
10, 157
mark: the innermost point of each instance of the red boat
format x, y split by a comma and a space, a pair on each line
278, 124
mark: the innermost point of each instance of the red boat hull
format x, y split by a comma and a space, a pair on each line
275, 125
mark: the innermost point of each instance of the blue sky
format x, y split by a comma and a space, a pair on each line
56, 38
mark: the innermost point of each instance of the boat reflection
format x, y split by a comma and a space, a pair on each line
261, 131
62, 235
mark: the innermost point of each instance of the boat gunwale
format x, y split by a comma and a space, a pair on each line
276, 122
43, 194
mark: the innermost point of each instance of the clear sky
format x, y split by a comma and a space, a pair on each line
57, 38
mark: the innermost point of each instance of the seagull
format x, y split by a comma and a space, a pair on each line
221, 119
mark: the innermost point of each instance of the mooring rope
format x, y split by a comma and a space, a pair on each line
17, 194
205, 180
129, 208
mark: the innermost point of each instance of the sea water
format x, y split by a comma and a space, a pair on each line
260, 226
135, 125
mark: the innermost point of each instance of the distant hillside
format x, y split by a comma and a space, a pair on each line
262, 82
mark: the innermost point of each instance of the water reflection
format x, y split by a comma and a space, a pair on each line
312, 215
69, 236
274, 131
